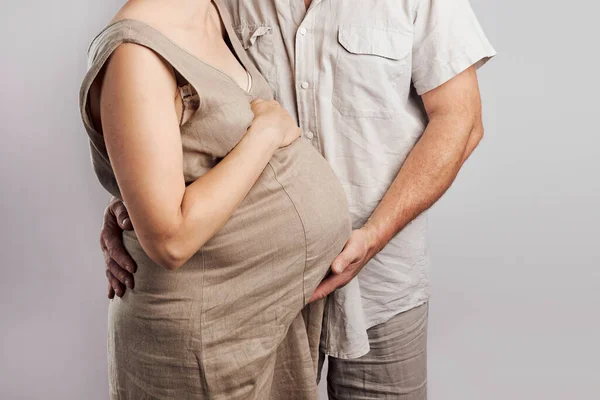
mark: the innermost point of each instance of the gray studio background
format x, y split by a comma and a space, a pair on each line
516, 273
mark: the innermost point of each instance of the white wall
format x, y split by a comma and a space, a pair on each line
516, 265
53, 308
515, 243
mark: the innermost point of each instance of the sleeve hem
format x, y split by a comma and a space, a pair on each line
443, 73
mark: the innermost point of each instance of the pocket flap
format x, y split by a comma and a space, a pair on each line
359, 39
249, 33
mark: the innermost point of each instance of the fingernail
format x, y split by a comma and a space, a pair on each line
128, 283
125, 221
337, 268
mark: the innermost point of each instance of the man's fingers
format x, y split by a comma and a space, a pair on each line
119, 265
111, 291
125, 223
349, 255
122, 216
111, 239
340, 263
328, 285
117, 286
124, 276
344, 267
120, 274
116, 252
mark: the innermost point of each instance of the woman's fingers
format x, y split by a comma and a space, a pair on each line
255, 104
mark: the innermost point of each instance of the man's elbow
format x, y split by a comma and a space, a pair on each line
474, 138
477, 133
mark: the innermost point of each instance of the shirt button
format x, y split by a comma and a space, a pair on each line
303, 31
304, 85
310, 135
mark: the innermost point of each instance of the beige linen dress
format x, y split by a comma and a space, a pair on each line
232, 322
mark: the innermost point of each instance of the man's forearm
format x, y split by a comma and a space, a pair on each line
427, 173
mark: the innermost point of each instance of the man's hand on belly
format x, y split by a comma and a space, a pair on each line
453, 132
359, 249
120, 267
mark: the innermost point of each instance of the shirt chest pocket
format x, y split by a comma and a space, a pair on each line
257, 40
372, 71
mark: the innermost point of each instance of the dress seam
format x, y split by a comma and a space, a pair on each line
202, 369
303, 231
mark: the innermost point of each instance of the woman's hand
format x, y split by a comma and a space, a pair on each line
173, 219
271, 118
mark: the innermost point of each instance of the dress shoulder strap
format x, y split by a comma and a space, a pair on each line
138, 32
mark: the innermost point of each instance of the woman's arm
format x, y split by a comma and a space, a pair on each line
142, 135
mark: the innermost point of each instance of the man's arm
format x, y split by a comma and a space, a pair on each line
454, 130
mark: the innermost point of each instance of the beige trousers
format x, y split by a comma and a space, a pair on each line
394, 369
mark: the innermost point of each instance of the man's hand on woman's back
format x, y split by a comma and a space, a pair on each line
270, 118
120, 267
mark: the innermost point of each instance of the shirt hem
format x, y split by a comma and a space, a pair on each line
351, 355
386, 318
365, 348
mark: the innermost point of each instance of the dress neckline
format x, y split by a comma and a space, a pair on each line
228, 30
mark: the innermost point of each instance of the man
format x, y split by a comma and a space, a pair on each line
387, 91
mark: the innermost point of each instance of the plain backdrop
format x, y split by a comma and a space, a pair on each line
516, 264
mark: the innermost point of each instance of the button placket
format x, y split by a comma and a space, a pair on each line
304, 68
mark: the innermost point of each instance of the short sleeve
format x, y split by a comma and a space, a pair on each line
447, 39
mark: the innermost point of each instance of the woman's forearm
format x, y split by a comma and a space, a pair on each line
142, 133
210, 201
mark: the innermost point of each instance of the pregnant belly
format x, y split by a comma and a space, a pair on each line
291, 225
296, 203
244, 287
321, 205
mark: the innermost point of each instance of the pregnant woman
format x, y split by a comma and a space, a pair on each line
236, 219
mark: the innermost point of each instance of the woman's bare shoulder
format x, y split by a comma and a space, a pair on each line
145, 11
134, 59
